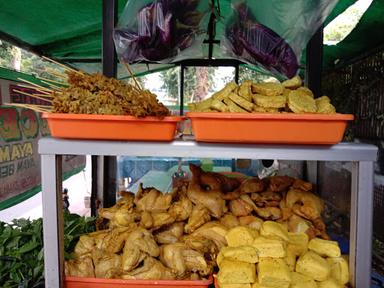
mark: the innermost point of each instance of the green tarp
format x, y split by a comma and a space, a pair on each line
71, 29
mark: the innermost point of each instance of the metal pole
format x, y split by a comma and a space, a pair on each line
181, 88
315, 62
110, 12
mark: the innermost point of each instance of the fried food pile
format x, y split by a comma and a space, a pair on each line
275, 258
249, 97
178, 235
97, 94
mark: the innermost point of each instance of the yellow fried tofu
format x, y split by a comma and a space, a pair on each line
222, 285
305, 91
329, 283
241, 102
219, 106
324, 248
273, 248
298, 242
268, 89
314, 266
241, 236
259, 109
325, 108
257, 285
233, 107
323, 99
223, 93
236, 272
273, 229
269, 101
301, 281
241, 253
219, 259
339, 269
291, 257
202, 105
299, 103
245, 90
273, 273
293, 83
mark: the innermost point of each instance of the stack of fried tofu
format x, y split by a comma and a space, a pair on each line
249, 97
274, 258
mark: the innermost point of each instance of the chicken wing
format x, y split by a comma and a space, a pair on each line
170, 234
152, 269
199, 216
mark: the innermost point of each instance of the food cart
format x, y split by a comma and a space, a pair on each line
361, 157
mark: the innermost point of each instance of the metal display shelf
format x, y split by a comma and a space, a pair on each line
361, 155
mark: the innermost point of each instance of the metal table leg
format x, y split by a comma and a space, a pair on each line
52, 220
361, 223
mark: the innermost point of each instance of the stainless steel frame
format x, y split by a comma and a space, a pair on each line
362, 155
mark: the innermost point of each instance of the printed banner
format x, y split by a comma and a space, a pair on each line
20, 130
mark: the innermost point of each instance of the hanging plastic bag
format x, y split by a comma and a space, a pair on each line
161, 30
273, 33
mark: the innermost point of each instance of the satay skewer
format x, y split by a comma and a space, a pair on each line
52, 81
35, 85
132, 75
55, 87
32, 95
37, 108
62, 65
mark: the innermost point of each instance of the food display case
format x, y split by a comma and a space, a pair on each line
361, 157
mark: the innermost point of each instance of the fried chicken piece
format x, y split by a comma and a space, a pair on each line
250, 185
131, 258
280, 183
80, 267
199, 216
171, 256
211, 200
196, 262
152, 200
229, 221
269, 213
212, 180
170, 234
251, 222
85, 245
123, 218
239, 207
181, 209
302, 185
199, 243
152, 269
267, 198
308, 205
107, 265
112, 241
144, 240
213, 231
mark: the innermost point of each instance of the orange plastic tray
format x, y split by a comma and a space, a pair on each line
111, 127
79, 282
284, 128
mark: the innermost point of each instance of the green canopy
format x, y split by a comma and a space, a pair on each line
71, 30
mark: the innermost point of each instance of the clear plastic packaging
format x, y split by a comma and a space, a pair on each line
161, 31
272, 33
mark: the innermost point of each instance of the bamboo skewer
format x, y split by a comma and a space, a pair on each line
42, 95
53, 81
52, 85
62, 65
36, 85
32, 95
132, 75
35, 88
56, 73
38, 108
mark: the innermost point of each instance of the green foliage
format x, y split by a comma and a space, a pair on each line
22, 253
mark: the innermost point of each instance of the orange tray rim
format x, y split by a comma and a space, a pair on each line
68, 116
140, 282
266, 116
